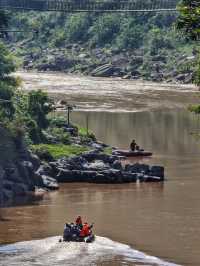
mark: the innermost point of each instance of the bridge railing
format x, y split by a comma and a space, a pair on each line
89, 5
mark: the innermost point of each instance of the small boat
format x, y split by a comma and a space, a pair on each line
72, 234
129, 153
75, 238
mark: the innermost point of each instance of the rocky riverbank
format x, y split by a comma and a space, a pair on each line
99, 62
97, 167
22, 173
17, 170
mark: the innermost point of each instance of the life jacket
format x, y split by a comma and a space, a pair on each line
85, 230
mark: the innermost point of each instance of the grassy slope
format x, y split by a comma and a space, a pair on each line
59, 150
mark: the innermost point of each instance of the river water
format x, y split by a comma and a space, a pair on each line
136, 224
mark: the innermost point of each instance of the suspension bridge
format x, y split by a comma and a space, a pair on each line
91, 5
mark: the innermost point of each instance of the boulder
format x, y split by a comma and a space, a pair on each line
157, 171
65, 176
129, 177
25, 169
111, 176
13, 175
117, 165
20, 189
45, 169
96, 155
181, 77
49, 182
96, 166
106, 70
137, 168
7, 195
38, 180
35, 161
97, 146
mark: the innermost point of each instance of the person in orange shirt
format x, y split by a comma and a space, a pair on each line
86, 230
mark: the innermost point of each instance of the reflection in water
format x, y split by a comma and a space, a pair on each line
163, 131
159, 219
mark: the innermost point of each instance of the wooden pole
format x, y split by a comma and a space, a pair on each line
87, 124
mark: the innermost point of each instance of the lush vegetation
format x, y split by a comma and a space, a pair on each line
26, 115
52, 151
144, 46
189, 24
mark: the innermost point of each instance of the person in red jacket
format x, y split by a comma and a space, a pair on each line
86, 230
79, 222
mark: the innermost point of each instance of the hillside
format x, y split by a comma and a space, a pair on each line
145, 46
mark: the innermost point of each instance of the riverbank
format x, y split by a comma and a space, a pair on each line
69, 154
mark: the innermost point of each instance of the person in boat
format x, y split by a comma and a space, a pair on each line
86, 230
79, 222
133, 145
137, 148
75, 230
67, 232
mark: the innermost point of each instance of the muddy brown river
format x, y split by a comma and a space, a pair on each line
136, 224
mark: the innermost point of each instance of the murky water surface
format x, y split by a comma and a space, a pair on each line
161, 220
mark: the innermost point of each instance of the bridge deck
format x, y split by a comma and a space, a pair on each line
91, 5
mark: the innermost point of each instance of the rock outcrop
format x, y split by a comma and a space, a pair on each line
96, 167
19, 174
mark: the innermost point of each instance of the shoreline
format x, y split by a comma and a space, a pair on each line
110, 94
139, 82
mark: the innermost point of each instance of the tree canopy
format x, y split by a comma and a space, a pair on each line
7, 83
189, 18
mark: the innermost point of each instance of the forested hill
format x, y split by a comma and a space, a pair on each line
145, 46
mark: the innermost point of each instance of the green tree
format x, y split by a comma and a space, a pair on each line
189, 18
189, 24
131, 35
105, 29
77, 27
8, 84
39, 105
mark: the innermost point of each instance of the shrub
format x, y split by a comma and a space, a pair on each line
60, 135
77, 27
131, 35
39, 105
104, 29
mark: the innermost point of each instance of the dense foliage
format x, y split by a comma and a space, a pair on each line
189, 24
144, 45
189, 18
7, 83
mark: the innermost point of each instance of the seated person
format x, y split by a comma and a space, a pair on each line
79, 222
133, 145
86, 230
67, 232
137, 148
